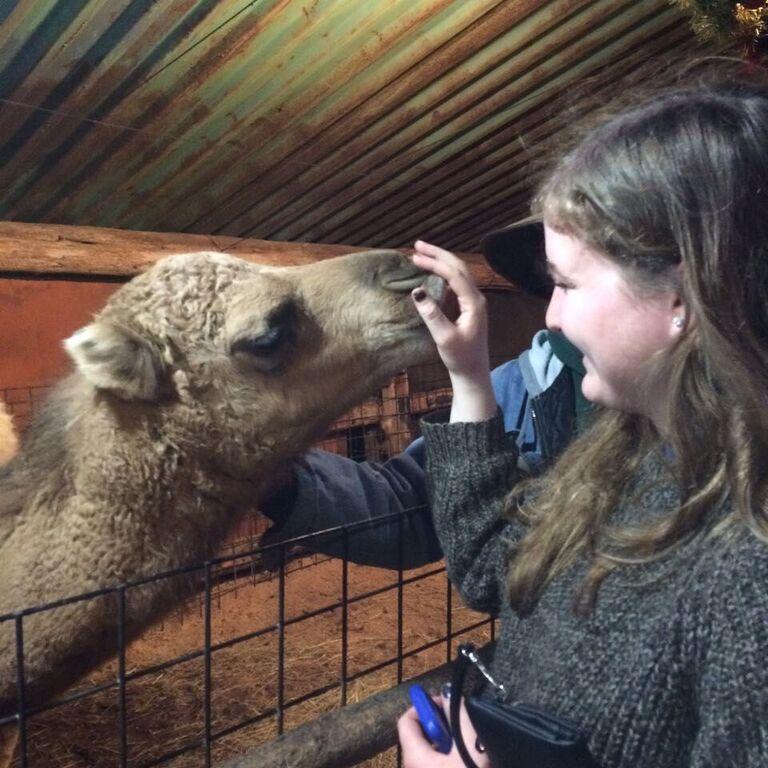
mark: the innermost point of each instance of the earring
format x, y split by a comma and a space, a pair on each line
678, 321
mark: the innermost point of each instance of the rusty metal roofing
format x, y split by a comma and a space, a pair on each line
366, 122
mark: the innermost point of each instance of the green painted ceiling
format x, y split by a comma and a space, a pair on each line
366, 122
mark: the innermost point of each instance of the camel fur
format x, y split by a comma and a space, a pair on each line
192, 389
9, 442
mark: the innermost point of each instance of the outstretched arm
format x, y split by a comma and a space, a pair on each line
328, 490
471, 464
461, 343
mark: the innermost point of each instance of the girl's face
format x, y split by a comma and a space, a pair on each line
620, 331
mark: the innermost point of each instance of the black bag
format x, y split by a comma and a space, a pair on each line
516, 735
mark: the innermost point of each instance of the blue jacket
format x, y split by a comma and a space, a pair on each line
536, 395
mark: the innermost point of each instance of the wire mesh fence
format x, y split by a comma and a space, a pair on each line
251, 652
262, 637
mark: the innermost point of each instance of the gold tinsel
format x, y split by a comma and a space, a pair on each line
712, 20
751, 21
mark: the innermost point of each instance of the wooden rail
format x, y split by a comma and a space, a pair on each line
58, 249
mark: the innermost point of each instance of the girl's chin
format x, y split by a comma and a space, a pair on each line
590, 388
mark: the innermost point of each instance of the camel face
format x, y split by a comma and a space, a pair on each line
254, 344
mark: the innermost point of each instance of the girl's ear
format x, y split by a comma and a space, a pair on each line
115, 359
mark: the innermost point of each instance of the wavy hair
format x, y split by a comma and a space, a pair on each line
673, 189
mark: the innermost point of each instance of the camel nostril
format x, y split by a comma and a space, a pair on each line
403, 279
407, 277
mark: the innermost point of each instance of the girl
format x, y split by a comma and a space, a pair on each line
631, 581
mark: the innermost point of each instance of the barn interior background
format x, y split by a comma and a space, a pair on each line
273, 129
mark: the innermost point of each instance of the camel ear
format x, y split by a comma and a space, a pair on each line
118, 360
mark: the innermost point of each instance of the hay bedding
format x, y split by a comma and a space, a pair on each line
165, 709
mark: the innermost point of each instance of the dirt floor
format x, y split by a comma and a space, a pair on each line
165, 709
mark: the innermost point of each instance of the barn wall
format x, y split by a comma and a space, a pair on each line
36, 316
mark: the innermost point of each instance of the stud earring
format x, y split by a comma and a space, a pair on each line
678, 321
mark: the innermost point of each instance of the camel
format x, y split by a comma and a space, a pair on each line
192, 389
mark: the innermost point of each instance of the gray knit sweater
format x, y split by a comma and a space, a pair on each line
674, 673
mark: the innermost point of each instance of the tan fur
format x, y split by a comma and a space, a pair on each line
9, 443
171, 424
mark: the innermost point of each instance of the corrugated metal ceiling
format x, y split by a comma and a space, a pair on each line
366, 122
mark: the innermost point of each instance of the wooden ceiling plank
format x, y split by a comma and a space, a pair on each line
539, 74
463, 183
248, 103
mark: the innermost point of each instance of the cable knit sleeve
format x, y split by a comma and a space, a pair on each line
730, 638
470, 468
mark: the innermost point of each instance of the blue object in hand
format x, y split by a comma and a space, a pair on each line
432, 719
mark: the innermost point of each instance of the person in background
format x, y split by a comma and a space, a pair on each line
631, 580
539, 394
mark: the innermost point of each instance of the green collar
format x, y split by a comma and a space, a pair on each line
572, 360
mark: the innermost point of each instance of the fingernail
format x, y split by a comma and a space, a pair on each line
445, 690
419, 294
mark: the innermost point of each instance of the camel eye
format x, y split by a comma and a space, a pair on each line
269, 350
263, 345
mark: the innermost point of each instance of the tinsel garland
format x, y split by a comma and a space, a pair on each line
746, 21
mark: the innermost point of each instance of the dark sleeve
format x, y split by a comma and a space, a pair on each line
329, 490
471, 467
730, 636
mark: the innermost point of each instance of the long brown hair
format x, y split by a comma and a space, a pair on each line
675, 190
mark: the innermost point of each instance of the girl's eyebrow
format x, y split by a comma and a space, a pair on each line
553, 271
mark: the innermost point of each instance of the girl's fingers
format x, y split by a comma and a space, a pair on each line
470, 301
467, 729
459, 281
451, 268
438, 257
417, 751
462, 339
408, 725
439, 326
447, 270
446, 265
427, 249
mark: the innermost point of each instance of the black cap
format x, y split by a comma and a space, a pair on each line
517, 254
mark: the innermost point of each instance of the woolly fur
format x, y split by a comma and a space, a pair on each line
176, 418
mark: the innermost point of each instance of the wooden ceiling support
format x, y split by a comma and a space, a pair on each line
58, 249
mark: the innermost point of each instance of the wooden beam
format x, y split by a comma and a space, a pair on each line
343, 738
58, 249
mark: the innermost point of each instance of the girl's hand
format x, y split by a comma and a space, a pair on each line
419, 753
463, 343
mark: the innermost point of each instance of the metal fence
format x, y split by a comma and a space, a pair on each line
218, 579
266, 638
